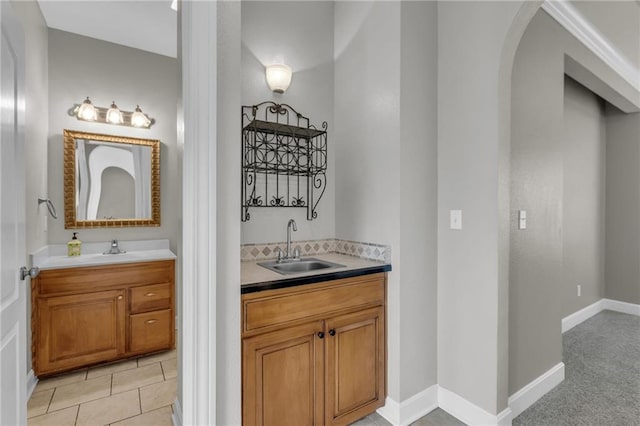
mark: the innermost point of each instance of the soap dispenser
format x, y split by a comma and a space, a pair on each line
73, 246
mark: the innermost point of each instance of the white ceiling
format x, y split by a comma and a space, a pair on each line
149, 25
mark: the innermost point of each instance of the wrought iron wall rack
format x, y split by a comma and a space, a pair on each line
284, 159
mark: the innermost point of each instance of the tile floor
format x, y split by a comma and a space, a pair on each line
131, 392
135, 392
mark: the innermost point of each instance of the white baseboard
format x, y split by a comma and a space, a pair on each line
468, 412
583, 314
528, 395
421, 404
624, 307
504, 417
410, 410
176, 417
32, 381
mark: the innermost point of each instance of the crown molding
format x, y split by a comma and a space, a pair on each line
571, 19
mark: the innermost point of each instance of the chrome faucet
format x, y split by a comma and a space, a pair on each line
290, 225
114, 248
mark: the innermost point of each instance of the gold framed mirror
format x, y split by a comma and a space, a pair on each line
110, 181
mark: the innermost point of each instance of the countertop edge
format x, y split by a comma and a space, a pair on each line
63, 262
312, 279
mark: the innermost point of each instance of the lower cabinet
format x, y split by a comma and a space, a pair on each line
87, 315
81, 329
328, 368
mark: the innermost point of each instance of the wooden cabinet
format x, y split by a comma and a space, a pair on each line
87, 315
314, 354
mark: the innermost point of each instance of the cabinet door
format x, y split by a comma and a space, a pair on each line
151, 331
283, 377
78, 330
355, 360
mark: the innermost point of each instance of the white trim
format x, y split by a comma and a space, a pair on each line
505, 417
468, 412
571, 19
176, 416
197, 379
623, 307
32, 381
411, 409
582, 315
529, 394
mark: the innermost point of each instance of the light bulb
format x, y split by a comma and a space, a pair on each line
278, 77
139, 119
114, 115
87, 111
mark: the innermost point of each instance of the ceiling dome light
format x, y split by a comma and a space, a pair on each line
114, 115
278, 77
139, 119
87, 111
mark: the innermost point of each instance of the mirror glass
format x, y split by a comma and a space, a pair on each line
110, 181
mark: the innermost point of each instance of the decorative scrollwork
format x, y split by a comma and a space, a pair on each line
277, 201
284, 159
254, 201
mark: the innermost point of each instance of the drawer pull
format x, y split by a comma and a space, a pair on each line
119, 297
151, 321
150, 294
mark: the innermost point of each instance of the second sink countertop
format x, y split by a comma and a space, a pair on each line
253, 276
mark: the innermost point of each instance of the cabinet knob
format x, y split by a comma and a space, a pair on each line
332, 332
321, 334
150, 294
120, 297
151, 321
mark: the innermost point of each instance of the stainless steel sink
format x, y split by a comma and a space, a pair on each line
296, 266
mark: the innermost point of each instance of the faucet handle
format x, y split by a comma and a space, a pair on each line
296, 253
114, 243
280, 254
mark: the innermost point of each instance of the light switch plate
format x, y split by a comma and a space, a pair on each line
455, 219
522, 219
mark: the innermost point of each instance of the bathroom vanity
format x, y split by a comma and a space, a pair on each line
313, 344
100, 308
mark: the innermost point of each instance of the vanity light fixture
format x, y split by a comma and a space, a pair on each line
114, 115
86, 111
139, 119
278, 77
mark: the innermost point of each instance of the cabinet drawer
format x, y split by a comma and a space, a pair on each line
151, 331
94, 278
273, 307
150, 297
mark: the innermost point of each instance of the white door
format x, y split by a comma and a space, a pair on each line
13, 316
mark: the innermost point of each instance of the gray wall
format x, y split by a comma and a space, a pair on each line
367, 133
535, 339
622, 269
557, 176
418, 197
472, 342
79, 67
583, 201
300, 34
228, 353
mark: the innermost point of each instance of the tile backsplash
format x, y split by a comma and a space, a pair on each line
264, 251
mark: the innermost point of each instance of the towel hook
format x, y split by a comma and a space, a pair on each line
50, 206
